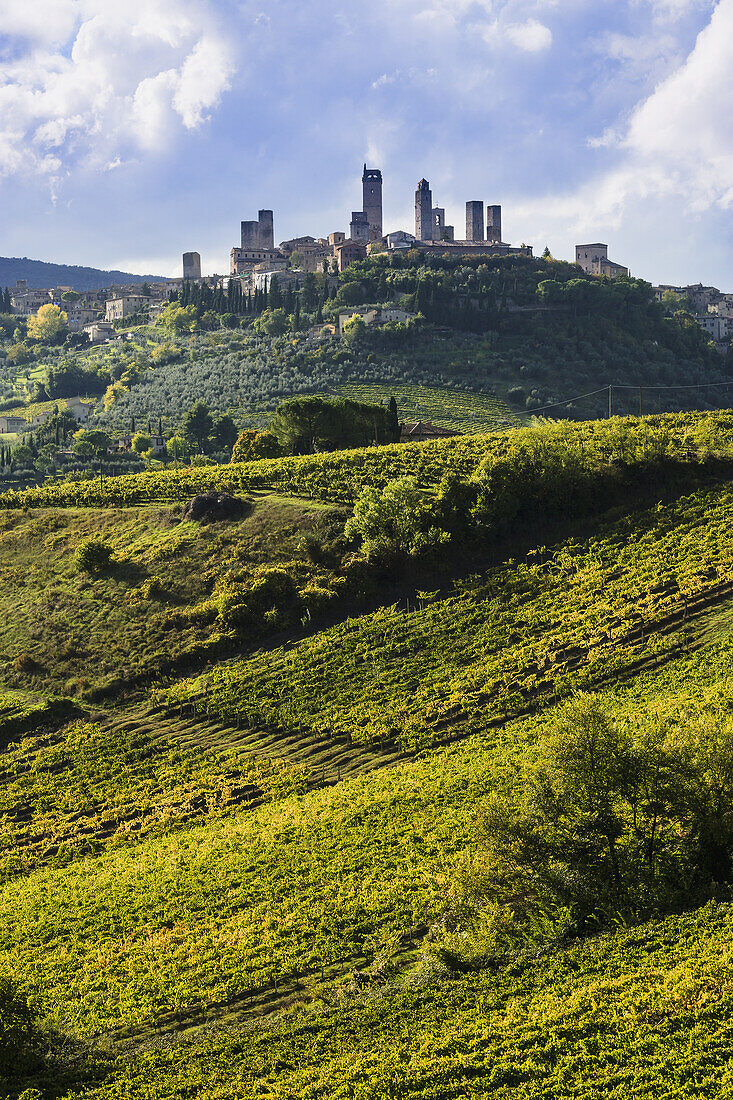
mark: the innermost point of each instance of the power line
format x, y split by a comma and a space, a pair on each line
609, 387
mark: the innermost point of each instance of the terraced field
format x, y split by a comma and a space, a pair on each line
342, 865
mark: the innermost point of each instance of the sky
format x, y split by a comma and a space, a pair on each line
134, 130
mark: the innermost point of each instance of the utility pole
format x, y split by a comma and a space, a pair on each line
641, 401
610, 401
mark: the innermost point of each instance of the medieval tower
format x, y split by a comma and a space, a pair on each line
259, 234
424, 212
191, 265
372, 190
474, 221
493, 224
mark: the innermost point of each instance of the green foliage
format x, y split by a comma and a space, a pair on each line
93, 556
273, 322
396, 520
676, 440
20, 1038
179, 319
97, 440
224, 433
198, 425
141, 442
252, 446
307, 424
354, 330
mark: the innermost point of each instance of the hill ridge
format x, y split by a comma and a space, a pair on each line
40, 274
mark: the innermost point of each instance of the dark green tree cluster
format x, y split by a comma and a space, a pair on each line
618, 819
208, 433
304, 425
235, 303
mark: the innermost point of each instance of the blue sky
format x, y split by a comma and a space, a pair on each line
133, 131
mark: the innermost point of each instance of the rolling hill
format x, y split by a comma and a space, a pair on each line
279, 818
40, 274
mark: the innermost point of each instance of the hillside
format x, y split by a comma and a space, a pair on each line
40, 274
488, 340
440, 810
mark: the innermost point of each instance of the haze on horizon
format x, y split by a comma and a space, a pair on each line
129, 134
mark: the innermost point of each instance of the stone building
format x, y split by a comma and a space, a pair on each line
423, 211
359, 228
116, 309
593, 258
79, 315
191, 265
26, 302
475, 220
348, 252
100, 331
371, 182
493, 224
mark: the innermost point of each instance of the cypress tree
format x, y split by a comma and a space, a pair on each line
394, 421
274, 297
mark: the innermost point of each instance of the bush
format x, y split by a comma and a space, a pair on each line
617, 819
251, 446
396, 520
19, 1036
93, 556
24, 662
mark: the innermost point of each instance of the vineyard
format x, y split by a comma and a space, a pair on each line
558, 623
340, 475
336, 860
612, 1018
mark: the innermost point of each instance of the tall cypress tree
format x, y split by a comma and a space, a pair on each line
274, 297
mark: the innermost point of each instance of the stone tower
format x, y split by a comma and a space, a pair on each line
250, 235
191, 265
474, 221
267, 233
493, 224
371, 182
438, 223
359, 227
424, 212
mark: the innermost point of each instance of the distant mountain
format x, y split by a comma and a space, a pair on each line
39, 274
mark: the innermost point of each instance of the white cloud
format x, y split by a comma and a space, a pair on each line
45, 21
88, 81
676, 151
685, 125
531, 36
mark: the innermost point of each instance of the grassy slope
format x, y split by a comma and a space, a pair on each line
202, 923
142, 899
82, 631
204, 919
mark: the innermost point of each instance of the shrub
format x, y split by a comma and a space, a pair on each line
93, 556
251, 446
395, 520
19, 1036
24, 662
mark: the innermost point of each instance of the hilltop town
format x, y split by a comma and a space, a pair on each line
256, 259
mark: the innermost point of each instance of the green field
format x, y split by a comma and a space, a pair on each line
281, 820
